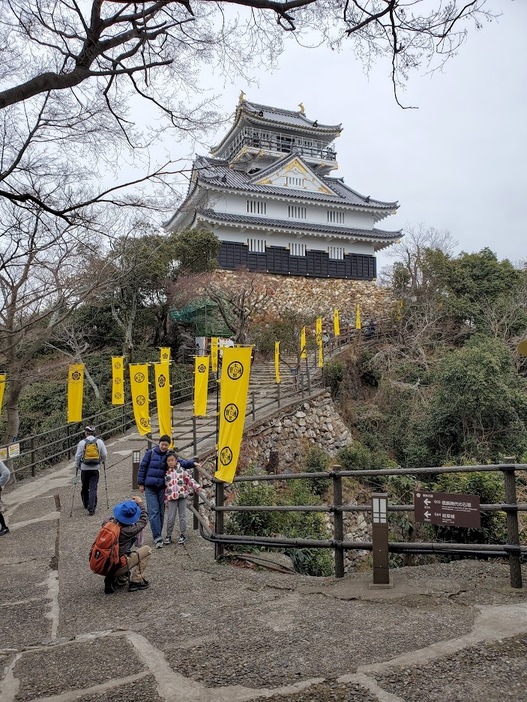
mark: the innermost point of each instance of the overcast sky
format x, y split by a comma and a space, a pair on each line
459, 162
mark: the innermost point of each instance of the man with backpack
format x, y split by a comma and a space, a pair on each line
90, 454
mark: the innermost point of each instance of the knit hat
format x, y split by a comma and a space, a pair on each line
166, 438
127, 512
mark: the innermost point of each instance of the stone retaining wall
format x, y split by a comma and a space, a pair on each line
320, 296
293, 431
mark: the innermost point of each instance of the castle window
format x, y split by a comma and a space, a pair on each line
296, 249
294, 182
256, 207
256, 245
296, 212
336, 252
335, 217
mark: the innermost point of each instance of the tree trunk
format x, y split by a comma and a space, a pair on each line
13, 417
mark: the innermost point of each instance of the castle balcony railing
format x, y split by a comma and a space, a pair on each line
278, 142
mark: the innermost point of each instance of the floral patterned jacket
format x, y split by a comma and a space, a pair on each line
179, 483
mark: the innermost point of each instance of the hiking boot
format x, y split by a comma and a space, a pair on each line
182, 539
4, 530
109, 586
159, 543
141, 585
121, 581
168, 540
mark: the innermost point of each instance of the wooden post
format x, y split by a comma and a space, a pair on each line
338, 523
220, 499
136, 460
194, 435
195, 497
513, 534
379, 513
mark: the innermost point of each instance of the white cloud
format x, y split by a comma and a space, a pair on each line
459, 162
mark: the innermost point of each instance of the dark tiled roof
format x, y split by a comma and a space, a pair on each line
295, 225
216, 173
291, 118
273, 117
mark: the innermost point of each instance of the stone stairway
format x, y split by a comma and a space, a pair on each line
197, 435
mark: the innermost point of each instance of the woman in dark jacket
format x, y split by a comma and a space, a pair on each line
151, 481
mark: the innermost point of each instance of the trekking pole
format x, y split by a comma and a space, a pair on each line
73, 493
106, 485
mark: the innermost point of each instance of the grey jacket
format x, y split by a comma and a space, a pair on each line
4, 474
80, 452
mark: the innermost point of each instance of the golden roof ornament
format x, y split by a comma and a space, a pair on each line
302, 109
242, 96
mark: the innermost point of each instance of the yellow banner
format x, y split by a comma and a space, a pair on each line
277, 361
358, 323
201, 385
75, 392
234, 386
214, 354
164, 409
320, 343
164, 354
140, 401
336, 323
117, 380
303, 347
2, 390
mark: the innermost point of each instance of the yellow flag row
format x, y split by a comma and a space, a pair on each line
139, 387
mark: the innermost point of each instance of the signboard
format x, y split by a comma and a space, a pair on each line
447, 509
11, 451
14, 450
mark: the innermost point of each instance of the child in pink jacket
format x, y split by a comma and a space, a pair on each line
178, 486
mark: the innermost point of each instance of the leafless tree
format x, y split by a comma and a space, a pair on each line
46, 272
238, 298
72, 74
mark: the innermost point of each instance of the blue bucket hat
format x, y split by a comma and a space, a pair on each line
127, 512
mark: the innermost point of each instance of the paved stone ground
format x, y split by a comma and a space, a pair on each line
212, 632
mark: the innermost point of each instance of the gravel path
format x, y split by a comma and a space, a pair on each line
211, 632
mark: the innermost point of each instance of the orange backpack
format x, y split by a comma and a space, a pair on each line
104, 553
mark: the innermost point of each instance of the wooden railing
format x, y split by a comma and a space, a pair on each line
512, 549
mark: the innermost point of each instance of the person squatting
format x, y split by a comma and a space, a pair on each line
132, 518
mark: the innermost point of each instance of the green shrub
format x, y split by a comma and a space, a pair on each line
294, 525
359, 457
317, 461
333, 376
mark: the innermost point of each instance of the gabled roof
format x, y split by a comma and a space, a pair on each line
281, 117
264, 116
290, 162
216, 174
381, 236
